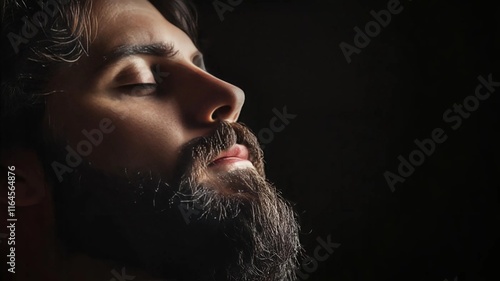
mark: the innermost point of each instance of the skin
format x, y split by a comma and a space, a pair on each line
151, 126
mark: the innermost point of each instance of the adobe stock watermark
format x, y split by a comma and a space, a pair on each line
321, 253
277, 124
74, 157
454, 117
190, 209
222, 7
372, 29
40, 19
95, 137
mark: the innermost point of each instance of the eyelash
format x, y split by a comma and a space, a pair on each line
141, 89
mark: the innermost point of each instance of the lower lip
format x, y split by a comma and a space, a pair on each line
230, 163
228, 160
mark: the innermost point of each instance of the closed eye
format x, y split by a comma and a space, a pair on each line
140, 89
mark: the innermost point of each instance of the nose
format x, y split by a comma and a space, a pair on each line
207, 99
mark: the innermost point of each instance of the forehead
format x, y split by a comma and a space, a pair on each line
122, 22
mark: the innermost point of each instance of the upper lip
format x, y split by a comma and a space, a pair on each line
235, 151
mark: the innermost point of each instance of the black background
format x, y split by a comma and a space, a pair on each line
354, 120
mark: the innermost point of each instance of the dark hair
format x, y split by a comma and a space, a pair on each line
39, 36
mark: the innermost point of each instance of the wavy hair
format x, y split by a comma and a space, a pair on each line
40, 36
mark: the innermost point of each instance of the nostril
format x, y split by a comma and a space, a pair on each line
221, 113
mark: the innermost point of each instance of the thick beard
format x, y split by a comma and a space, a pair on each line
198, 226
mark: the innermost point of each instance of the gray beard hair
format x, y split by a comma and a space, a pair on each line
243, 229
262, 225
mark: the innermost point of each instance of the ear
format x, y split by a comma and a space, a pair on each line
21, 168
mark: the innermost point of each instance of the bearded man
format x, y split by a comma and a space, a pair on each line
128, 159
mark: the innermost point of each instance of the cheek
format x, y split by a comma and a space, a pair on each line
145, 140
118, 134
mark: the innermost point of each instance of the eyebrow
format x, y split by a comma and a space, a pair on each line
128, 50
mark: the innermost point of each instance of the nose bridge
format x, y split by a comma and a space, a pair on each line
209, 99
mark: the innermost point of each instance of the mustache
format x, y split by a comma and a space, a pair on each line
141, 215
198, 153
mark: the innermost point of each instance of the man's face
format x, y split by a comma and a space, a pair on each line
157, 102
168, 182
